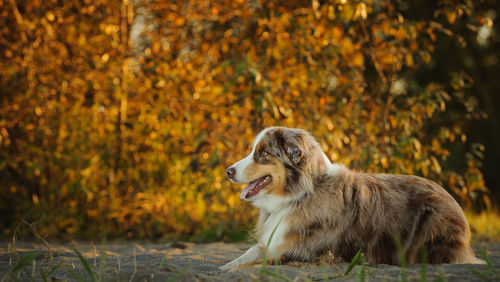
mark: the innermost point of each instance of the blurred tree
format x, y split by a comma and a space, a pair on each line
122, 116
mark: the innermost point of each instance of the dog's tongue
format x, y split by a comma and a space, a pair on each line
249, 188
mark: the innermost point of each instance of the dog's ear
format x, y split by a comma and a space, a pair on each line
294, 147
291, 143
295, 154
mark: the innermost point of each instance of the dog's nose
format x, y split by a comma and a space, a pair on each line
230, 172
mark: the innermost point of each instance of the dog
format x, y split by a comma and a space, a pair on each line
311, 207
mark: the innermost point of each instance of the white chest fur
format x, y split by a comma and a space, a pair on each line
274, 231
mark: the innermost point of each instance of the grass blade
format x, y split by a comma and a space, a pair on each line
362, 270
323, 270
42, 273
24, 261
272, 233
478, 273
355, 260
328, 278
85, 265
402, 259
488, 262
104, 257
264, 264
55, 267
75, 274
163, 260
423, 267
279, 276
33, 270
179, 274
135, 267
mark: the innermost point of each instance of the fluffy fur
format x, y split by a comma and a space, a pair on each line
322, 208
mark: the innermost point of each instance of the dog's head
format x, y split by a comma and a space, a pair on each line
282, 165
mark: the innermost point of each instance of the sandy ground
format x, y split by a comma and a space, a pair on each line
135, 261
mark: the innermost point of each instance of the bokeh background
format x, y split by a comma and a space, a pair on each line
120, 117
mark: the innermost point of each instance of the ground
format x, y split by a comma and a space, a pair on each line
136, 261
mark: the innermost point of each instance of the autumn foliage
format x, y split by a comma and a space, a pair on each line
122, 116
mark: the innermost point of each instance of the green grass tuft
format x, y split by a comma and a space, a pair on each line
355, 261
423, 267
362, 270
86, 265
491, 268
23, 262
402, 259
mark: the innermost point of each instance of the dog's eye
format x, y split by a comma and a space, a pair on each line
264, 154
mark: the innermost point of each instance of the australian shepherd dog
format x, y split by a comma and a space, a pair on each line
310, 207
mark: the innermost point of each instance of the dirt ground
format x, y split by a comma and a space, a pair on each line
136, 261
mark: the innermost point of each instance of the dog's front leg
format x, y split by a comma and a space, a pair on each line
250, 255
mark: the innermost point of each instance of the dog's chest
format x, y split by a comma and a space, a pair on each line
274, 229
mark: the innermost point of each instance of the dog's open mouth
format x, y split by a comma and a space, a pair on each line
255, 186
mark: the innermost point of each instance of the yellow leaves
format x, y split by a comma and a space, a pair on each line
429, 110
337, 32
347, 44
436, 146
225, 47
451, 15
215, 11
430, 32
384, 162
400, 33
418, 147
426, 56
331, 12
385, 27
153, 135
50, 16
105, 57
436, 167
110, 29
409, 59
361, 11
276, 53
358, 59
29, 126
387, 58
180, 21
156, 48
317, 11
82, 40
217, 89
8, 53
197, 97
319, 31
347, 11
38, 111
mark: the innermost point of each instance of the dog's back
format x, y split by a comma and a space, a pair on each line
381, 215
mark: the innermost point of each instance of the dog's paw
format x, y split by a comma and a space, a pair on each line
231, 265
249, 256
